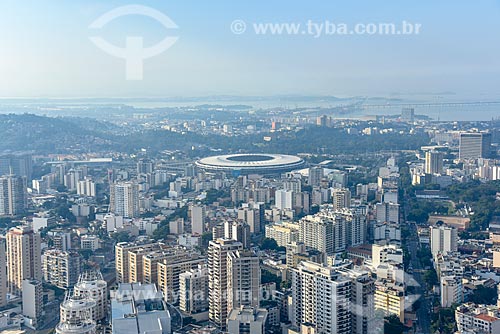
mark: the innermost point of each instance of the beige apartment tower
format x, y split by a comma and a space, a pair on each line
23, 257
170, 269
243, 269
433, 162
128, 258
341, 198
218, 278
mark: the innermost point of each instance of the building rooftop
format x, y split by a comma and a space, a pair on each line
486, 317
139, 308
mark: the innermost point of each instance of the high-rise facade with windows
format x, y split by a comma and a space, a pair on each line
61, 268
218, 278
32, 302
170, 269
321, 297
475, 145
198, 215
315, 176
341, 198
12, 195
92, 285
124, 199
193, 287
3, 273
443, 239
332, 231
23, 257
433, 162
243, 270
16, 163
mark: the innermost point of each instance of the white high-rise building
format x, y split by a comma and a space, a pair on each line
128, 258
324, 235
75, 308
61, 239
243, 270
12, 195
321, 297
124, 199
362, 302
198, 214
284, 233
193, 286
218, 279
82, 210
111, 221
61, 268
176, 226
251, 216
386, 253
86, 187
92, 285
24, 258
390, 196
315, 176
293, 184
443, 239
169, 267
356, 227
16, 163
284, 199
451, 290
72, 177
331, 231
145, 166
32, 301
239, 231
341, 198
387, 212
408, 114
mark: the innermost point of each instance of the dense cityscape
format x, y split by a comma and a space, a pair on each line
378, 224
250, 167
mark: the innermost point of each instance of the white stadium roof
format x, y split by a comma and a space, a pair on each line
251, 163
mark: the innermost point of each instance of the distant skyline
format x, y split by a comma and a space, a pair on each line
46, 51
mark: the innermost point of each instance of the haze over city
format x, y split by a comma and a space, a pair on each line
229, 167
47, 51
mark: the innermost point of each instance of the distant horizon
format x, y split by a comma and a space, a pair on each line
298, 96
218, 49
442, 108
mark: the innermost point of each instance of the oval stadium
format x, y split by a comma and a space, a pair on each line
250, 163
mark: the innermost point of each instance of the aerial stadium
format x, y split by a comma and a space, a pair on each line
250, 163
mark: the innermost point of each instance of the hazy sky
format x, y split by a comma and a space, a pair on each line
45, 49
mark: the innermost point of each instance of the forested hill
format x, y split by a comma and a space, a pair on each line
48, 135
76, 135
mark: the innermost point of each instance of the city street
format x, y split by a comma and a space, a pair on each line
423, 313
